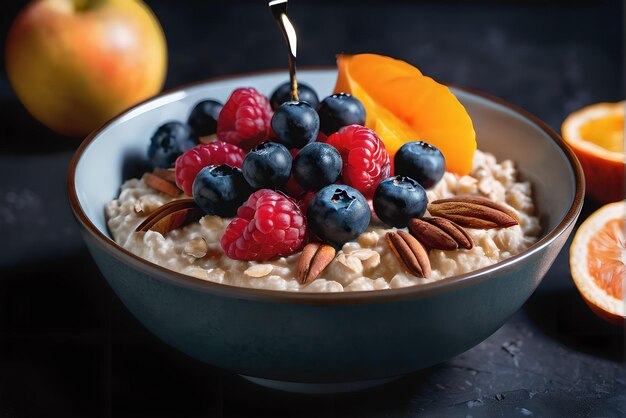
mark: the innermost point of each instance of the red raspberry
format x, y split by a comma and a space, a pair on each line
365, 159
245, 119
191, 162
267, 226
321, 137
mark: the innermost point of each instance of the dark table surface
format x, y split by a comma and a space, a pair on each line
69, 348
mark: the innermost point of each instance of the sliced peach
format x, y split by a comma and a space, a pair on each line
404, 105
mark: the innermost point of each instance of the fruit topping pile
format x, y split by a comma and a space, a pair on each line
299, 174
296, 174
289, 172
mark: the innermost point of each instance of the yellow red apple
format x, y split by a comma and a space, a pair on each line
75, 64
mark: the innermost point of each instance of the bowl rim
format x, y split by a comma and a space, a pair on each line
158, 272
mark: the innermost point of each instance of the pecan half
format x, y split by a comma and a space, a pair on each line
161, 184
314, 259
170, 216
409, 252
474, 212
440, 233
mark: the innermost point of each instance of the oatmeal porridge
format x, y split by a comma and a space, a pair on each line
366, 263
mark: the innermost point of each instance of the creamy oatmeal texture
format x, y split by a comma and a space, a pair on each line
366, 264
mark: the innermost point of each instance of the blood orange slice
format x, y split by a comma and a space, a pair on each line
598, 261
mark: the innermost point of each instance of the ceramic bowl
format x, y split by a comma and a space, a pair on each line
327, 342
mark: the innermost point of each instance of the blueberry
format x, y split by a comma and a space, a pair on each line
295, 124
170, 141
203, 117
282, 94
340, 110
420, 161
398, 199
338, 214
268, 166
317, 165
220, 190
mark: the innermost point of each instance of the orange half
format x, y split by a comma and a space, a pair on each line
598, 259
404, 105
596, 134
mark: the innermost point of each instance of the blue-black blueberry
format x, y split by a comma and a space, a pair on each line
316, 165
282, 94
399, 199
421, 161
168, 142
295, 124
220, 190
339, 110
338, 214
267, 166
203, 117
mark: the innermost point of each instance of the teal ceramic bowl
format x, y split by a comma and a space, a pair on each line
325, 342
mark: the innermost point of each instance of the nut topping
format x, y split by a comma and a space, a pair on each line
162, 185
167, 174
170, 216
409, 252
314, 259
474, 212
440, 233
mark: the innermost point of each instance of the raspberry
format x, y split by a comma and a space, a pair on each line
267, 226
190, 163
365, 159
245, 119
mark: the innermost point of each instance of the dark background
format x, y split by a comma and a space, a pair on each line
69, 348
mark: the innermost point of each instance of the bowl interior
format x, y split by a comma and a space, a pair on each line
115, 153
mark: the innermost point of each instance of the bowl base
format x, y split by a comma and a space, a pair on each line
319, 388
